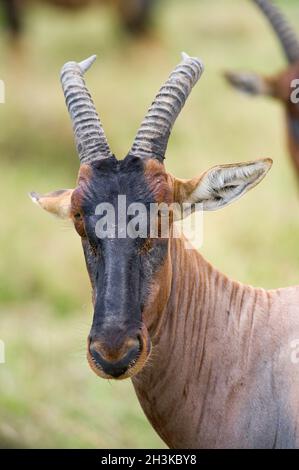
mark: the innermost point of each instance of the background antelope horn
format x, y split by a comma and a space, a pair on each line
285, 33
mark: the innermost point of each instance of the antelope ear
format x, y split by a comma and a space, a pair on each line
250, 83
220, 185
56, 202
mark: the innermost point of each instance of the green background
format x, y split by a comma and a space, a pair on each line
48, 395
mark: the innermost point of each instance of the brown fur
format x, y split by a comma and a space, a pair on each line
282, 90
159, 182
279, 87
220, 374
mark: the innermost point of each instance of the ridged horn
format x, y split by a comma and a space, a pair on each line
152, 137
89, 134
288, 39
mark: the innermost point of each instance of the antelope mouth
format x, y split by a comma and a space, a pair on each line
136, 364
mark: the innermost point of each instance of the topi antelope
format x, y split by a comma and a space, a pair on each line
220, 372
278, 86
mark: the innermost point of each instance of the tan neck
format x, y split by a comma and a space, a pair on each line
191, 289
201, 320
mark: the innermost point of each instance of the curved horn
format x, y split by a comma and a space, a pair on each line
285, 33
152, 137
90, 138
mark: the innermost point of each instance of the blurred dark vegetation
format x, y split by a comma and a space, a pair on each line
133, 15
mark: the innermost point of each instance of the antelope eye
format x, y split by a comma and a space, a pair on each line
78, 223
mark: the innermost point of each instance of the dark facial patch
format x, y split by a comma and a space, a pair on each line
293, 124
120, 269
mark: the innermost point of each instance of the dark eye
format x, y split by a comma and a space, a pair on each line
79, 224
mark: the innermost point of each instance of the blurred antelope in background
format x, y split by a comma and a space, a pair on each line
279, 86
209, 357
134, 14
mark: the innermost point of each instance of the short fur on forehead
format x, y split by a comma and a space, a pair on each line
110, 177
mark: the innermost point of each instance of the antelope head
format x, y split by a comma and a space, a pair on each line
278, 86
129, 272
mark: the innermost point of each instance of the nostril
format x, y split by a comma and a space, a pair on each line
94, 348
135, 344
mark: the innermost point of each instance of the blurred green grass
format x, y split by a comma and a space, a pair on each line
48, 395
